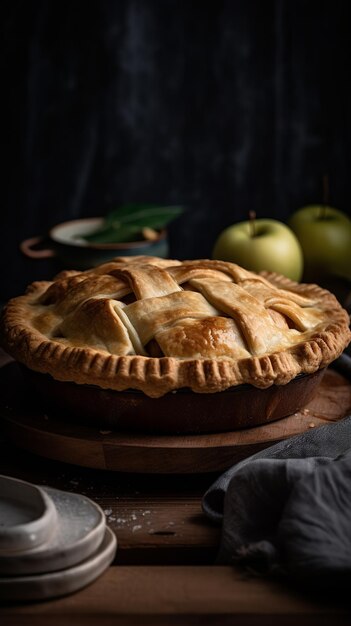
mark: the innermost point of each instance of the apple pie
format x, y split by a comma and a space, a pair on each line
159, 325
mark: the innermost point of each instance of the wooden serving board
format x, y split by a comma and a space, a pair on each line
34, 430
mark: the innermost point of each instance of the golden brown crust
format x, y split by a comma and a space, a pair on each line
216, 324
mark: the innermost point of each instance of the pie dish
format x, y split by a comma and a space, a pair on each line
159, 325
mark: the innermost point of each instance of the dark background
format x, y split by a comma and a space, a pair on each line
224, 106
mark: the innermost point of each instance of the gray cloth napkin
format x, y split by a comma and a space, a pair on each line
287, 509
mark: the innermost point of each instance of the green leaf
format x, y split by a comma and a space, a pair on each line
127, 222
109, 234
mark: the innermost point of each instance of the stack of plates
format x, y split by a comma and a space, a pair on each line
51, 542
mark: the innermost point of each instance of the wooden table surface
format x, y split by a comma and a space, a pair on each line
164, 570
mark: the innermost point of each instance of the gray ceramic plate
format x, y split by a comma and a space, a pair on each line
78, 533
54, 584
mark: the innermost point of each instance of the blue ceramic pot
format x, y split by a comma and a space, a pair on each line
66, 242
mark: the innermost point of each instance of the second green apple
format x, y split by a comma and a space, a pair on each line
325, 237
261, 244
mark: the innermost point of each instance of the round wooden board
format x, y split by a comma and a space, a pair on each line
30, 428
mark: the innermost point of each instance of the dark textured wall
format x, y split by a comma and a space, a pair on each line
223, 105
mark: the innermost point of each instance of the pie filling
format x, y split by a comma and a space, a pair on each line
158, 325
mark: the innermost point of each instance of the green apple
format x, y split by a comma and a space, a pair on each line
325, 237
262, 244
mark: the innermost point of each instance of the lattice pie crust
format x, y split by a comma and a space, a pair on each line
158, 325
